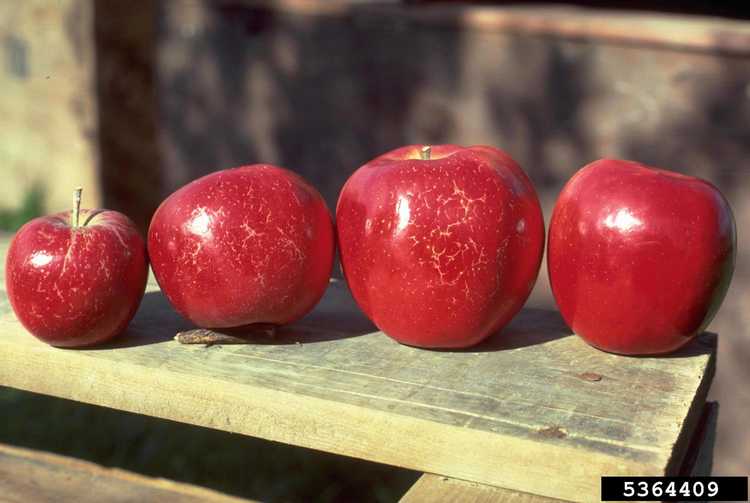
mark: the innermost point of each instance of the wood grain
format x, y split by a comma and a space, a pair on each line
27, 475
520, 411
431, 488
618, 26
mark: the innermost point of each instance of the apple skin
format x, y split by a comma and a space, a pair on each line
440, 253
74, 287
639, 258
253, 244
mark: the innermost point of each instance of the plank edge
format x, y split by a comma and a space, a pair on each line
336, 428
94, 470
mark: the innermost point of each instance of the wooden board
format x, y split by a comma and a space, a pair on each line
28, 475
431, 487
533, 409
617, 26
690, 32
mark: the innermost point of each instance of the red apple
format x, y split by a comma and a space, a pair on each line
76, 278
440, 245
253, 244
639, 258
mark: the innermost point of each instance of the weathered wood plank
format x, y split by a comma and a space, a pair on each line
28, 475
633, 27
533, 409
431, 487
621, 26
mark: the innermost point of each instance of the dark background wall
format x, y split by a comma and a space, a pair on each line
183, 88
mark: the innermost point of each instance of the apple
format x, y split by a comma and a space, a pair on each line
76, 278
253, 244
440, 245
639, 258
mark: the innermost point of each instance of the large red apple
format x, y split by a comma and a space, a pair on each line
639, 258
253, 244
76, 278
440, 246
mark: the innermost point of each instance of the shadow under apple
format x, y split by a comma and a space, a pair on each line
335, 317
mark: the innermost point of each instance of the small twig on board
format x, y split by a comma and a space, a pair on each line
209, 337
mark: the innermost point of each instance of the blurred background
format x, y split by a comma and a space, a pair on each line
134, 99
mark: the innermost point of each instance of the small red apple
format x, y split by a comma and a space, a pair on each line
76, 278
440, 245
639, 258
253, 244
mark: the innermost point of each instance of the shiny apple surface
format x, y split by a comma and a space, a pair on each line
440, 252
639, 258
253, 244
76, 286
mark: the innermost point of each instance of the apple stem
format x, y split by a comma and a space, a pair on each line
425, 152
77, 206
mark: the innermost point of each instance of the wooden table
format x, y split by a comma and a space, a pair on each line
533, 410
